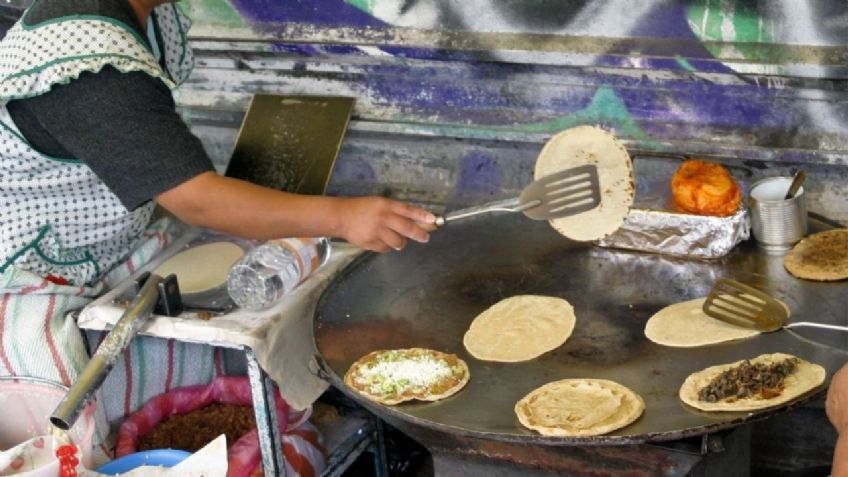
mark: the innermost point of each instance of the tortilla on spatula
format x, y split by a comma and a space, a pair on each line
685, 325
591, 145
822, 257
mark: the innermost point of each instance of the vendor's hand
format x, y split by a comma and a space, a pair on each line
837, 400
837, 411
380, 224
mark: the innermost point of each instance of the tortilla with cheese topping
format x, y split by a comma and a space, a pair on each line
394, 376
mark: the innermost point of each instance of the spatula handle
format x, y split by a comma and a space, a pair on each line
810, 324
508, 205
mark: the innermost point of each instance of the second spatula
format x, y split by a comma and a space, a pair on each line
743, 305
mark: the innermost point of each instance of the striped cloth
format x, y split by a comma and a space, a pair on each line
38, 335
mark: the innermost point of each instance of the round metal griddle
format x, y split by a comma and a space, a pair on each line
427, 296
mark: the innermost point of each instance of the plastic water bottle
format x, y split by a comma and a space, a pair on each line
273, 269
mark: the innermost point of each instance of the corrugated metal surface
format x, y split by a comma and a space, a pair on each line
455, 99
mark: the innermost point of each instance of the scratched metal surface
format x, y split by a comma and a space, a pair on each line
428, 295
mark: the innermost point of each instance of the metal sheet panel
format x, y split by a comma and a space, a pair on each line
290, 143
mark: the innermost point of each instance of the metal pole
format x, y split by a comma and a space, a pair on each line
267, 422
101, 363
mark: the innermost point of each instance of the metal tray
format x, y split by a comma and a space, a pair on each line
653, 225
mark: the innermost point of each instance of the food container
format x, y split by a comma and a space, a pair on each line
27, 404
160, 457
653, 225
777, 223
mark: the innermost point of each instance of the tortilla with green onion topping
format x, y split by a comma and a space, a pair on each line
394, 376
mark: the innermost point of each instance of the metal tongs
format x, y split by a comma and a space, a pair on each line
153, 291
564, 193
746, 306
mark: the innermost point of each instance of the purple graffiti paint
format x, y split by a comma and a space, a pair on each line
479, 177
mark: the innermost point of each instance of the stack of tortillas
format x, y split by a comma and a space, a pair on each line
520, 328
590, 145
579, 407
203, 267
822, 256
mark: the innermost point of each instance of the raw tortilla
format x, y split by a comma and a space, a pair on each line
520, 328
591, 145
201, 268
579, 407
822, 256
685, 325
806, 377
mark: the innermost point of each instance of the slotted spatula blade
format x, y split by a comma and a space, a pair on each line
743, 305
567, 192
564, 193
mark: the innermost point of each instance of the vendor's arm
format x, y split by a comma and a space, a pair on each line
125, 127
241, 208
837, 412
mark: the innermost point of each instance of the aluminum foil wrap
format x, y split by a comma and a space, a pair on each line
653, 225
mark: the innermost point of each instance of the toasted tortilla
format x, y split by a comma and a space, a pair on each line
822, 257
685, 325
579, 407
807, 376
432, 375
201, 268
591, 145
520, 328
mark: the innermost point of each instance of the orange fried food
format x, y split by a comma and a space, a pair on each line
705, 188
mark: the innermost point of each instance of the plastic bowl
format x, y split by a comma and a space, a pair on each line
163, 457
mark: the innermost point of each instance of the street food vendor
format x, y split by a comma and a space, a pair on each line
91, 143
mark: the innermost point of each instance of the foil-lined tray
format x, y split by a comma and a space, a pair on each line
653, 225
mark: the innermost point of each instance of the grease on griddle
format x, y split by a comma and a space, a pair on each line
746, 380
493, 285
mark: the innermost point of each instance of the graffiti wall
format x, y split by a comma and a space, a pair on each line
455, 98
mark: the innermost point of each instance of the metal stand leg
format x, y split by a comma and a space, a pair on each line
267, 422
378, 448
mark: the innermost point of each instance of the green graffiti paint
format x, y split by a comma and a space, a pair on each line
738, 24
364, 5
606, 108
684, 63
213, 12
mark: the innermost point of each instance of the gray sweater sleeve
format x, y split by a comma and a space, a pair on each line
124, 126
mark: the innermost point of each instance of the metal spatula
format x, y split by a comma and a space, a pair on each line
567, 192
746, 306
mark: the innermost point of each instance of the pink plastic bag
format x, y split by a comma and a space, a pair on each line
305, 454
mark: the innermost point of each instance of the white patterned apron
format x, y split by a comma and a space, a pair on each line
64, 236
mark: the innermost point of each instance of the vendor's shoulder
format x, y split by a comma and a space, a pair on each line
43, 11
